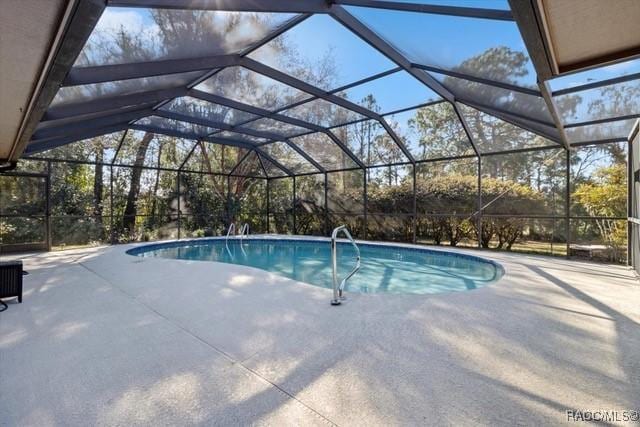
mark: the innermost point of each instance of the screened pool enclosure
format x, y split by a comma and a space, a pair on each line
425, 122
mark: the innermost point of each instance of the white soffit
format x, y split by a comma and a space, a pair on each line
28, 28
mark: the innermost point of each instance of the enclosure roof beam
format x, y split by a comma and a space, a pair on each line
467, 12
264, 170
66, 129
274, 161
414, 107
248, 146
481, 80
304, 154
242, 144
346, 149
366, 80
174, 133
124, 136
106, 73
601, 121
276, 33
186, 159
226, 102
103, 104
466, 129
233, 169
555, 114
217, 125
397, 140
291, 81
595, 85
530, 23
510, 118
491, 110
49, 143
600, 141
532, 31
79, 119
294, 6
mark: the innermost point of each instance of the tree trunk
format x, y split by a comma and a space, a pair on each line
154, 199
131, 209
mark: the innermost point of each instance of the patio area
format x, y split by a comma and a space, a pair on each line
111, 339
481, 159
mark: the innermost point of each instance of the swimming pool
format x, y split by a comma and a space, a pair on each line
384, 268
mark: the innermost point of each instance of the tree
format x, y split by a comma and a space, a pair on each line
131, 208
605, 196
440, 133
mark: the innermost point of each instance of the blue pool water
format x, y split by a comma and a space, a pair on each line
393, 269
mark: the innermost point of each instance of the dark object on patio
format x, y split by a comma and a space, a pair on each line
10, 280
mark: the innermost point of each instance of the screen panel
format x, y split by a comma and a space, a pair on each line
525, 183
246, 86
130, 35
599, 181
489, 49
309, 205
332, 60
431, 132
371, 143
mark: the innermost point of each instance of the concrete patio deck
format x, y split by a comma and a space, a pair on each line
104, 338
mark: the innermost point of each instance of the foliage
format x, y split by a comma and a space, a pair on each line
605, 196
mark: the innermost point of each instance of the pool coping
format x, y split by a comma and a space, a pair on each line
453, 251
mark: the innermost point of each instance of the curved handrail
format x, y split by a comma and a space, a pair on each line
244, 230
232, 227
338, 289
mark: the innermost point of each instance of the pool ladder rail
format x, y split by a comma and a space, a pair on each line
339, 288
243, 231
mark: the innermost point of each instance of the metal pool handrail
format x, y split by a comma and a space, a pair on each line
337, 289
244, 231
232, 227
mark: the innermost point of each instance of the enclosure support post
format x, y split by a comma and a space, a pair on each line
47, 212
366, 202
479, 215
415, 206
630, 193
179, 207
326, 206
268, 207
567, 201
229, 215
294, 206
111, 237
